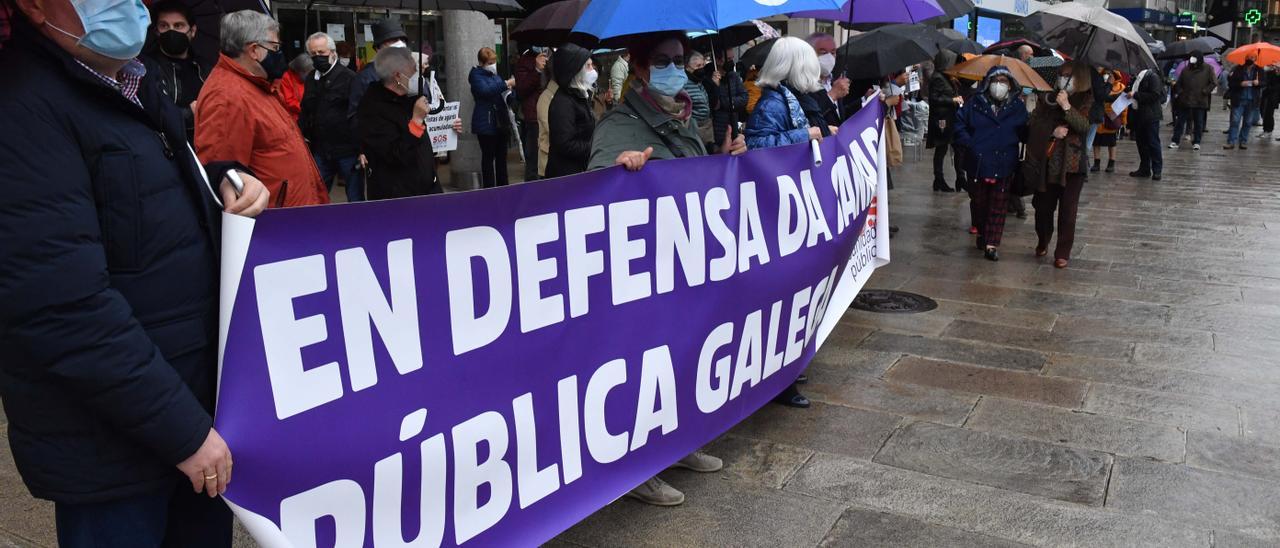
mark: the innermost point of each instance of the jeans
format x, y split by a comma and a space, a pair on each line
1066, 201
530, 135
1243, 115
1196, 118
493, 160
348, 167
1150, 157
1088, 137
179, 519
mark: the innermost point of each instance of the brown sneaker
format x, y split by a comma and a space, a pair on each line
657, 492
699, 462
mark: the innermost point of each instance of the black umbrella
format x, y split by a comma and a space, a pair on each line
550, 25
1156, 46
1204, 45
963, 45
208, 21
888, 49
951, 9
725, 38
1010, 47
755, 55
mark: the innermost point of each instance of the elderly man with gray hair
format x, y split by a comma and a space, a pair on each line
391, 129
240, 120
324, 118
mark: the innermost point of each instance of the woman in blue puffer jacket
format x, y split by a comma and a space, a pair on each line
790, 70
989, 127
490, 121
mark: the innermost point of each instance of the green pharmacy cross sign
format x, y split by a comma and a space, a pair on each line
1253, 16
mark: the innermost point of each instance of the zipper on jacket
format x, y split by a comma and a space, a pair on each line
168, 151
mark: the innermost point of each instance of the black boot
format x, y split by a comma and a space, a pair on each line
1097, 166
940, 185
792, 398
1111, 166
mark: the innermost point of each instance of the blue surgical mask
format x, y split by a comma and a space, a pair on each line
114, 28
667, 81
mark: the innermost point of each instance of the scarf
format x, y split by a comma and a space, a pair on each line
679, 107
1138, 82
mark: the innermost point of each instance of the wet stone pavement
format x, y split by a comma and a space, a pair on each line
1131, 400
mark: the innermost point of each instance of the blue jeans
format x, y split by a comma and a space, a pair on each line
1088, 138
348, 167
179, 518
1243, 116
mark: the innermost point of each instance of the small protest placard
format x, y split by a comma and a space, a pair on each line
440, 128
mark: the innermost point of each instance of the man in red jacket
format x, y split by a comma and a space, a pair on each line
239, 119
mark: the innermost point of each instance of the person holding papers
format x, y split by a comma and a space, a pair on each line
1109, 131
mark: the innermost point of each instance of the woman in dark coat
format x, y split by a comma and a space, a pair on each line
570, 120
390, 128
1057, 159
989, 127
944, 100
490, 121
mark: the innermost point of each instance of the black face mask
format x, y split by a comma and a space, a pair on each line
1248, 62
274, 64
322, 63
174, 43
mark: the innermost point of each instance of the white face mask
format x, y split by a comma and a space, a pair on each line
828, 62
1192, 61
590, 79
998, 90
345, 61
413, 86
398, 44
492, 68
1106, 78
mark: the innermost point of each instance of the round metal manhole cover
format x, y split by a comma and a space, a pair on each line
892, 302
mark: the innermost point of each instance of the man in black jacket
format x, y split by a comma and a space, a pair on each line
109, 286
172, 62
1148, 102
324, 121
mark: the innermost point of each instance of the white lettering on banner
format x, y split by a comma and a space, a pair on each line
582, 264
673, 238
362, 302
294, 387
623, 250
750, 229
471, 330
535, 310
482, 455
721, 268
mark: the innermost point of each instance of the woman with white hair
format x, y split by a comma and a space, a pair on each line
391, 128
790, 71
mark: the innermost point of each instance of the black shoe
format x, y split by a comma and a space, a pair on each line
940, 185
792, 398
1097, 166
1111, 166
893, 229
981, 244
1021, 214
1155, 176
1140, 173
992, 254
1244, 146
802, 379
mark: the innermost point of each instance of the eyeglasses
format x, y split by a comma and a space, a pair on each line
660, 61
269, 46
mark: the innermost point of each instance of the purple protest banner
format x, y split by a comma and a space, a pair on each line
491, 367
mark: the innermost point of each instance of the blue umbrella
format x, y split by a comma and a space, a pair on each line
609, 18
877, 11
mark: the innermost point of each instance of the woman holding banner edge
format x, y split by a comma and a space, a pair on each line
655, 113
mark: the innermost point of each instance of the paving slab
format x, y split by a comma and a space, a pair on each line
1185, 411
760, 463
1119, 329
982, 380
976, 353
1013, 464
994, 314
1051, 341
836, 363
920, 324
1192, 495
1160, 379
861, 528
1233, 454
22, 517
1090, 307
1203, 361
717, 512
822, 427
984, 510
919, 402
957, 291
1078, 429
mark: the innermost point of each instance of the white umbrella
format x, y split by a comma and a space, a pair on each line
1093, 35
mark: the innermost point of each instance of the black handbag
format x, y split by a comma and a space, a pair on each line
1027, 170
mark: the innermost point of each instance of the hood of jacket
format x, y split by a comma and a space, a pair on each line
567, 63
944, 60
998, 70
